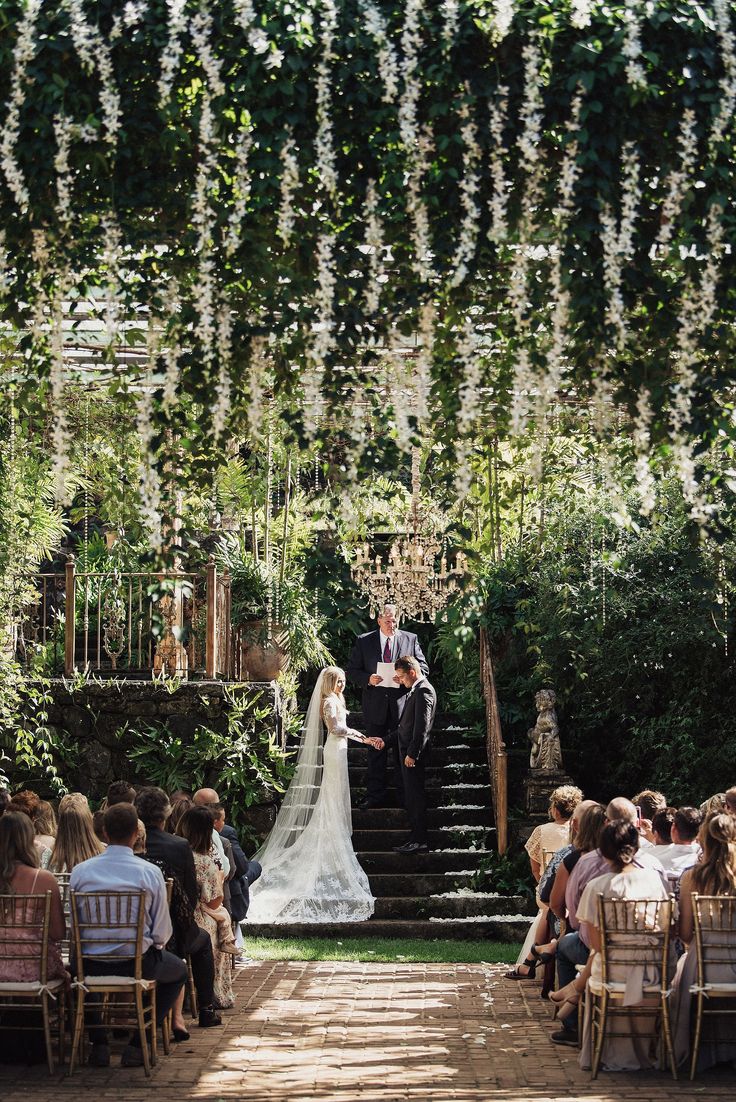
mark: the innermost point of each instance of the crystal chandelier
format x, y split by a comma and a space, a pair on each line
415, 576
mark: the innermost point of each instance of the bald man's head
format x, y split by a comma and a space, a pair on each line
578, 812
205, 796
621, 808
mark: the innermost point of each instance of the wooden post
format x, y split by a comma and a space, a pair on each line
495, 746
210, 653
70, 614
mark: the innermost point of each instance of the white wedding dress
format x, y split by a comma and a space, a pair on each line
310, 871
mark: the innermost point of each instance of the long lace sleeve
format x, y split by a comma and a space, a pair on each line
335, 719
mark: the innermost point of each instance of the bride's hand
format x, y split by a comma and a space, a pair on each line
376, 743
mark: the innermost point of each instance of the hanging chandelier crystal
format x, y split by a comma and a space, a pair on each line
416, 574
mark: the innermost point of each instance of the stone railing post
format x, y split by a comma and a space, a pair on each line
210, 651
70, 604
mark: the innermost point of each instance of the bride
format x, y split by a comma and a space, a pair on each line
310, 871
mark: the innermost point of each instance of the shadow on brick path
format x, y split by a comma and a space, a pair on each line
343, 1031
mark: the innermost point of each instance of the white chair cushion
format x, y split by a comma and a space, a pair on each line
117, 981
616, 990
31, 987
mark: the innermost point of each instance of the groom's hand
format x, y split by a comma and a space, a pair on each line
409, 762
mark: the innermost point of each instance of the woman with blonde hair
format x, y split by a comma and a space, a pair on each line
715, 874
76, 840
74, 799
310, 871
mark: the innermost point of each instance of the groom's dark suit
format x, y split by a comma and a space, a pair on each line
415, 726
382, 708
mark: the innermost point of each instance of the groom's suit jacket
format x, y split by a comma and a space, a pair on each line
382, 707
416, 720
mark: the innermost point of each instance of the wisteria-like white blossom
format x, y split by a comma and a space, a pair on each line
60, 427
450, 10
4, 265
374, 245
171, 56
388, 63
255, 385
63, 127
680, 180
149, 482
203, 220
498, 205
25, 48
423, 362
469, 189
323, 330
94, 53
113, 300
631, 48
411, 44
618, 241
503, 17
532, 108
241, 191
324, 144
581, 12
288, 185
727, 43
223, 386
417, 208
642, 447
201, 27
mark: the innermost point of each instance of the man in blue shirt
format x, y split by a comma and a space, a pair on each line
118, 869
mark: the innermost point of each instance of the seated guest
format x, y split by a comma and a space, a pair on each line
98, 825
714, 875
649, 803
75, 840
26, 802
44, 826
178, 807
246, 871
713, 805
197, 826
586, 838
620, 846
662, 826
120, 792
140, 843
553, 835
74, 799
118, 869
683, 850
174, 857
573, 948
730, 797
20, 875
203, 798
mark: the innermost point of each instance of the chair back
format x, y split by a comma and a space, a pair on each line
635, 933
547, 855
24, 931
62, 879
714, 921
108, 926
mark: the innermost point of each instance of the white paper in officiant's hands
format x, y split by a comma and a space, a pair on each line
387, 671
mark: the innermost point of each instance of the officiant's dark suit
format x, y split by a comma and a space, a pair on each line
382, 708
415, 727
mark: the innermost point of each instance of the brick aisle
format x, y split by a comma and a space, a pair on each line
336, 1032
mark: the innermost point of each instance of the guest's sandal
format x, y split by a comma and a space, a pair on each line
515, 974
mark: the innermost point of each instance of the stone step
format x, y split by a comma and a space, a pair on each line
506, 928
453, 837
395, 818
459, 773
451, 860
459, 906
438, 755
418, 884
439, 794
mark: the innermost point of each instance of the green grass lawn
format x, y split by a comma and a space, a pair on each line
382, 949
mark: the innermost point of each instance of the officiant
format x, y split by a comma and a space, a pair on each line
382, 706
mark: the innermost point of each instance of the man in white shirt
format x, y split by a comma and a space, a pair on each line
203, 797
118, 869
683, 851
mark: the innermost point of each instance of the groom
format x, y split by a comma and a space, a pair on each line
382, 707
415, 726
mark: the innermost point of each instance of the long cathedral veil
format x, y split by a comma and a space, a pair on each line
301, 795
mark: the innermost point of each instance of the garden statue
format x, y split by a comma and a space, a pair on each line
545, 735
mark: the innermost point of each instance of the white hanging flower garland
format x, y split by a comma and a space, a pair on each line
679, 180
631, 48
171, 56
374, 247
498, 205
642, 448
24, 51
324, 146
388, 64
469, 189
289, 185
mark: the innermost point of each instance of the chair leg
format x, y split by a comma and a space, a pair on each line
696, 1039
667, 1030
154, 1028
599, 1010
191, 990
165, 1033
62, 1027
78, 1029
47, 1032
142, 1033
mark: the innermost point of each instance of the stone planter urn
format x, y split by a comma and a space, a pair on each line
262, 656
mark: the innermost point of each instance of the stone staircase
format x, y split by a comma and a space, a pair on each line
435, 894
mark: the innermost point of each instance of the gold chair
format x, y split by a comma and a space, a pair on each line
112, 924
24, 935
635, 934
62, 879
547, 855
714, 920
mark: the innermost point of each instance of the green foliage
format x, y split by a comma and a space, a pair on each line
246, 762
507, 874
29, 755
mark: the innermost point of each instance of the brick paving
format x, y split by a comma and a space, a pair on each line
341, 1031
